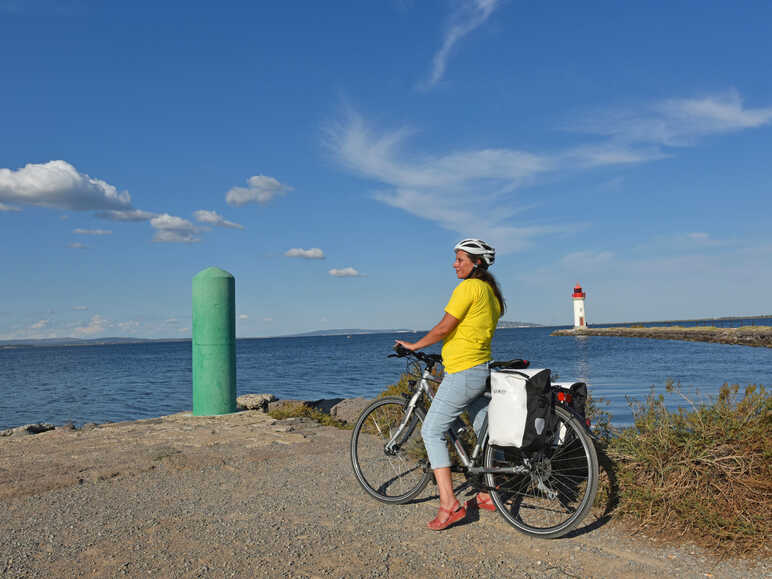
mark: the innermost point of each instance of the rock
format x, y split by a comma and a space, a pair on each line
36, 428
349, 409
325, 404
254, 401
286, 404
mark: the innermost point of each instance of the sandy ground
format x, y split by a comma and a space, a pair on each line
244, 495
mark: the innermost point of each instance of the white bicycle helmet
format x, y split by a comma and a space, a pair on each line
477, 247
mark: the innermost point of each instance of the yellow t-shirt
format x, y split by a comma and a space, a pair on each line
474, 304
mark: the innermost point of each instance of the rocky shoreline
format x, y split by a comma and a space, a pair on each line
758, 336
244, 494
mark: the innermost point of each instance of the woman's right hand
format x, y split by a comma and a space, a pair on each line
408, 345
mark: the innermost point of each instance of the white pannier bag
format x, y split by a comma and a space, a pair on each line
520, 410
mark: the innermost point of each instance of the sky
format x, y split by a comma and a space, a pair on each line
330, 154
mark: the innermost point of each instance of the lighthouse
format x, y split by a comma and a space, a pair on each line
580, 321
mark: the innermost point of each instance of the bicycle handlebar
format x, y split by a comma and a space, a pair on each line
401, 352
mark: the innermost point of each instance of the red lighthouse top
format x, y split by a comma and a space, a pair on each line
578, 293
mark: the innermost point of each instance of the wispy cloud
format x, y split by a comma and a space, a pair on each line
313, 253
9, 208
465, 18
80, 231
39, 325
346, 272
213, 218
96, 325
480, 192
468, 192
260, 189
80, 308
677, 122
58, 184
171, 229
77, 245
688, 243
587, 260
126, 215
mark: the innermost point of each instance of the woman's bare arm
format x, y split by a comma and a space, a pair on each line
438, 333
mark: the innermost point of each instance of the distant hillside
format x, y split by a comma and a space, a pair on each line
345, 332
505, 324
42, 343
353, 331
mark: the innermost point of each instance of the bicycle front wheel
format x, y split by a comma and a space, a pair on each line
391, 475
554, 491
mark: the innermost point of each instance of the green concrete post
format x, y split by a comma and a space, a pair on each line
214, 342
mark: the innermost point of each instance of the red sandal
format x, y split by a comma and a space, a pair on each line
455, 514
476, 503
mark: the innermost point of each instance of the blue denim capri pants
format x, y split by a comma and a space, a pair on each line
456, 392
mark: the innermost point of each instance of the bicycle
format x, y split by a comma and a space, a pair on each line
544, 493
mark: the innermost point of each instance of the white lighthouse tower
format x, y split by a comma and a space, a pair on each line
580, 320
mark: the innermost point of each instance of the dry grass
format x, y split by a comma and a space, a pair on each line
305, 411
704, 473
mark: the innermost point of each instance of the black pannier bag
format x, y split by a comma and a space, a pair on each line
520, 412
578, 392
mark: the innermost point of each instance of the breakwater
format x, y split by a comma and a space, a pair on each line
759, 336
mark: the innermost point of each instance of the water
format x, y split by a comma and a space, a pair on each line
131, 381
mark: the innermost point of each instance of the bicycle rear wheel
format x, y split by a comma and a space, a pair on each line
390, 476
557, 490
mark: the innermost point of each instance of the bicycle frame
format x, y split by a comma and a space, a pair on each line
470, 463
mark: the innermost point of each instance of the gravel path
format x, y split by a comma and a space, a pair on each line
256, 497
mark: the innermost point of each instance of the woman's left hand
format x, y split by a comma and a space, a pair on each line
408, 345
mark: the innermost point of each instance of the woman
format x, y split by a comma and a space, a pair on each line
467, 328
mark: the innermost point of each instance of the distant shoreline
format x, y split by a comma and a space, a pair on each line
757, 336
68, 342
503, 325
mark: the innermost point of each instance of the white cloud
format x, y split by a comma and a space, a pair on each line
126, 215
77, 245
260, 189
587, 260
468, 192
345, 272
313, 253
9, 208
268, 320
171, 229
681, 242
96, 325
58, 184
80, 231
243, 317
39, 325
676, 122
479, 192
469, 15
80, 308
213, 218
